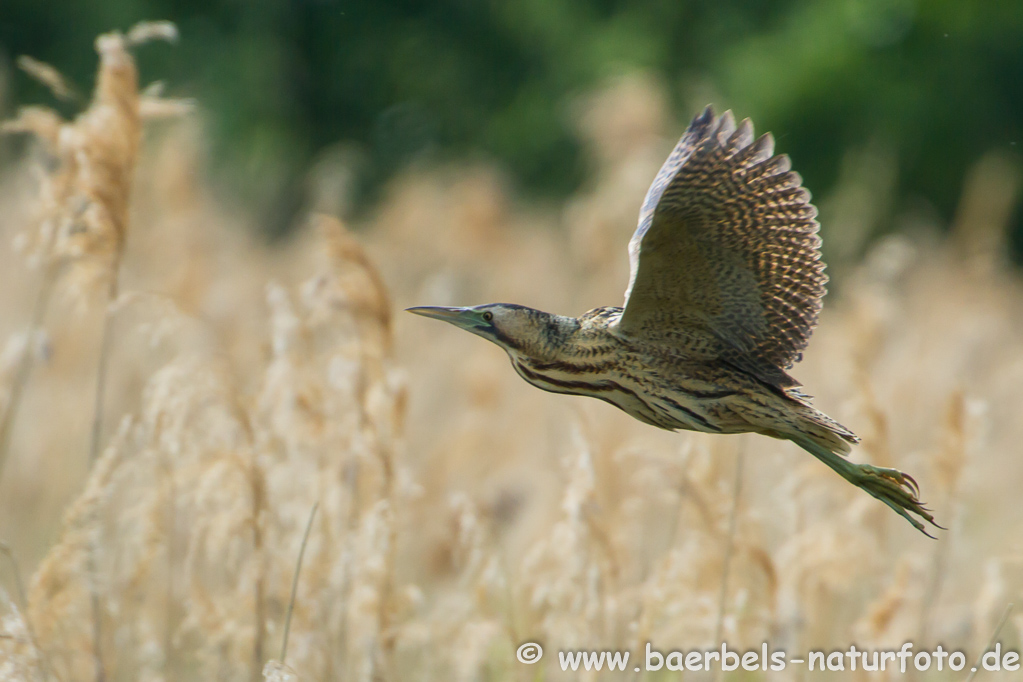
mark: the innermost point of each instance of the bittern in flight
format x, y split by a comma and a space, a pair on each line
725, 288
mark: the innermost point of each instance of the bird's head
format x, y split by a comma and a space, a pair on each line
517, 329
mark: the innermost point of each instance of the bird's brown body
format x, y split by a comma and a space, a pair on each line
725, 289
666, 386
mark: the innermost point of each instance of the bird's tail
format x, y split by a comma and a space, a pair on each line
829, 441
825, 432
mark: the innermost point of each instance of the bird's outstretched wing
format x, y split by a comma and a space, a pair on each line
726, 255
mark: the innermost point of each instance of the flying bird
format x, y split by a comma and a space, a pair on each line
725, 288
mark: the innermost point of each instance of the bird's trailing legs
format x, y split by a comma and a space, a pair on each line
896, 489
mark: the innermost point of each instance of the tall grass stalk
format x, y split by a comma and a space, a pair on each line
994, 637
294, 581
103, 363
96, 609
726, 562
19, 588
25, 363
949, 467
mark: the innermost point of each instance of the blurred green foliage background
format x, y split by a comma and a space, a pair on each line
934, 84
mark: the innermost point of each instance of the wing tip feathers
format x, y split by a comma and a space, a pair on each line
752, 161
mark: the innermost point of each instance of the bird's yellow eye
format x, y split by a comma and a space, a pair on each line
488, 316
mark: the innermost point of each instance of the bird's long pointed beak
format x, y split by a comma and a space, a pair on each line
466, 318
438, 312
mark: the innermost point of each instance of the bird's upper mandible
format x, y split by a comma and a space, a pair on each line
727, 245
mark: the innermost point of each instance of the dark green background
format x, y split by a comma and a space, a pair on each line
938, 82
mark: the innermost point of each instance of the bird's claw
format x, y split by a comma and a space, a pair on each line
897, 490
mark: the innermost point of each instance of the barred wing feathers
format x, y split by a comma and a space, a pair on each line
726, 256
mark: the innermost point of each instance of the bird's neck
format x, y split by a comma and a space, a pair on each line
569, 340
543, 338
583, 360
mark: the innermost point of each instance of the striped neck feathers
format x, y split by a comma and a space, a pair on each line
529, 333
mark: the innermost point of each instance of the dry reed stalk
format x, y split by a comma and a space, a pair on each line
680, 488
85, 220
257, 490
570, 573
63, 587
169, 493
879, 615
276, 671
114, 125
353, 287
190, 422
19, 586
158, 441
33, 640
356, 286
20, 658
678, 596
994, 637
729, 545
990, 194
25, 363
54, 189
948, 467
294, 582
85, 199
49, 76
478, 618
96, 613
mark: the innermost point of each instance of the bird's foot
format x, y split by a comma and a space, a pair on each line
896, 489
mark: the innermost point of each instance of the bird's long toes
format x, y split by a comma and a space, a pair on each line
894, 475
899, 491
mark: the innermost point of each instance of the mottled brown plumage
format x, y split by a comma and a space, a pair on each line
727, 244
725, 289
